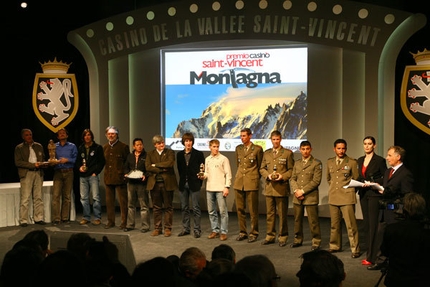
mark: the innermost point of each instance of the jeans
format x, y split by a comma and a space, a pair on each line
214, 198
89, 185
185, 202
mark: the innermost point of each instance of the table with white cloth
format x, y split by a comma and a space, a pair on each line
10, 201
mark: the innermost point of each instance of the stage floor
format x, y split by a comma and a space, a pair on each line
136, 247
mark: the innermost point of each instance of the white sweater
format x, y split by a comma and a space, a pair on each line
217, 173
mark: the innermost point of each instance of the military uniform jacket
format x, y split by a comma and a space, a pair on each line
248, 167
307, 177
115, 156
339, 176
284, 165
164, 166
22, 152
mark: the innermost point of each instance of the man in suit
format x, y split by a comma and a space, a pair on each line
247, 183
190, 162
398, 181
115, 153
340, 170
306, 178
277, 168
161, 183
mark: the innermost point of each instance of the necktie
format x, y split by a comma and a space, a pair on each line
391, 173
275, 152
338, 161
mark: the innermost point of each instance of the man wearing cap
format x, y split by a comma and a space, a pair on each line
116, 153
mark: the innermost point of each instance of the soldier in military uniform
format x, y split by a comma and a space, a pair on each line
247, 183
306, 178
340, 170
277, 168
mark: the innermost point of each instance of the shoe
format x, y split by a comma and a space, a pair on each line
334, 250
83, 222
375, 267
356, 254
241, 237
267, 242
295, 245
41, 222
96, 222
122, 227
109, 225
213, 235
252, 239
156, 232
282, 243
365, 262
66, 221
128, 229
183, 233
197, 234
315, 248
223, 237
167, 233
23, 224
144, 230
56, 222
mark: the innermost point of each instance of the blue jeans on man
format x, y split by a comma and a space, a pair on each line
89, 185
214, 198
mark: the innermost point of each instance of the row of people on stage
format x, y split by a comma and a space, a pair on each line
131, 175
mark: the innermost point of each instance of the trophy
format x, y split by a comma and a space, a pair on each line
275, 175
51, 150
84, 165
202, 170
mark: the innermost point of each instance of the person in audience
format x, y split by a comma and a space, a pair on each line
276, 169
115, 153
341, 169
259, 269
224, 251
79, 243
162, 183
190, 162
218, 175
371, 169
406, 245
20, 264
397, 182
66, 153
306, 178
41, 237
90, 162
321, 268
135, 171
154, 272
247, 184
191, 262
30, 161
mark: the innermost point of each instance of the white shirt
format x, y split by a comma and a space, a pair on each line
218, 173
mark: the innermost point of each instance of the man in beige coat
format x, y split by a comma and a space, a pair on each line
247, 184
276, 169
340, 170
306, 178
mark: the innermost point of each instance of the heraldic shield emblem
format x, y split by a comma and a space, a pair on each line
55, 95
415, 92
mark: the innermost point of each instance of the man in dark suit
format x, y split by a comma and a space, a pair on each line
398, 181
247, 183
162, 183
190, 162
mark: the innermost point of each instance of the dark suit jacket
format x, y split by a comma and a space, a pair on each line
164, 165
400, 183
190, 172
374, 173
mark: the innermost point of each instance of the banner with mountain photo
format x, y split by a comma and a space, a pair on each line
216, 93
